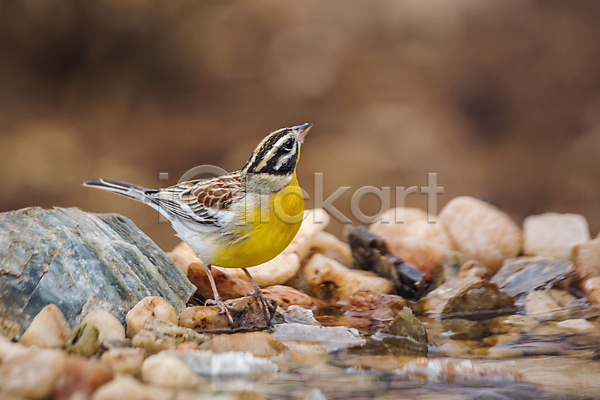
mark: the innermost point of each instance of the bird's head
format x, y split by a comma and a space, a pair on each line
273, 162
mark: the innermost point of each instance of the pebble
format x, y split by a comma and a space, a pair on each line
169, 371
481, 231
228, 286
134, 390
334, 282
232, 363
49, 329
32, 374
109, 327
543, 304
246, 314
83, 340
375, 305
158, 335
522, 275
474, 268
436, 300
332, 247
554, 235
9, 349
152, 306
287, 296
578, 325
80, 377
331, 338
299, 315
412, 238
125, 360
481, 298
592, 289
260, 344
586, 257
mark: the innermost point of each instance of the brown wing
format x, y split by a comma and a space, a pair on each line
200, 201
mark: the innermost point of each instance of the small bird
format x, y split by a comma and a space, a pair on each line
237, 220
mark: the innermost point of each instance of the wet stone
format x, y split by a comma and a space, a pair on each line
375, 305
371, 253
404, 336
297, 314
81, 261
84, 340
520, 276
478, 300
586, 258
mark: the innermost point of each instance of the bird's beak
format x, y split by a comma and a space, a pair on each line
301, 131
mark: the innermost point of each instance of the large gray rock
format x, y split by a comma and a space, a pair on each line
80, 262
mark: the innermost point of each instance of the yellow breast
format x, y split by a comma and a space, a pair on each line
267, 233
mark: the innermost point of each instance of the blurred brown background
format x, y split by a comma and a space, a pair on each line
500, 98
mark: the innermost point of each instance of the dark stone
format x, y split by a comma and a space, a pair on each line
80, 262
480, 300
370, 253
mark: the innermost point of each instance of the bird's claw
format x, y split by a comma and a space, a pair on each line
223, 309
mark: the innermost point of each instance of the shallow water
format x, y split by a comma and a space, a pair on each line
548, 362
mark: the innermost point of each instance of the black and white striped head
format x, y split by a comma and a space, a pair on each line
278, 153
274, 160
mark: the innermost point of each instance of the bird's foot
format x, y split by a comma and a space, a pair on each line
223, 309
264, 304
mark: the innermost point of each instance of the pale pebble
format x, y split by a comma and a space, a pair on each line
481, 231
554, 235
133, 390
80, 377
49, 329
125, 360
334, 282
32, 374
152, 306
108, 325
168, 371
586, 257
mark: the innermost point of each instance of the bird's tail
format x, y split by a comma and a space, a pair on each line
134, 192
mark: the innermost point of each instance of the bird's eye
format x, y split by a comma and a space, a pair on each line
289, 145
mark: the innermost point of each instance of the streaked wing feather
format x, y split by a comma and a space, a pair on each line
200, 201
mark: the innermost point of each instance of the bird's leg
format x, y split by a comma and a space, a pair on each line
260, 297
217, 301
